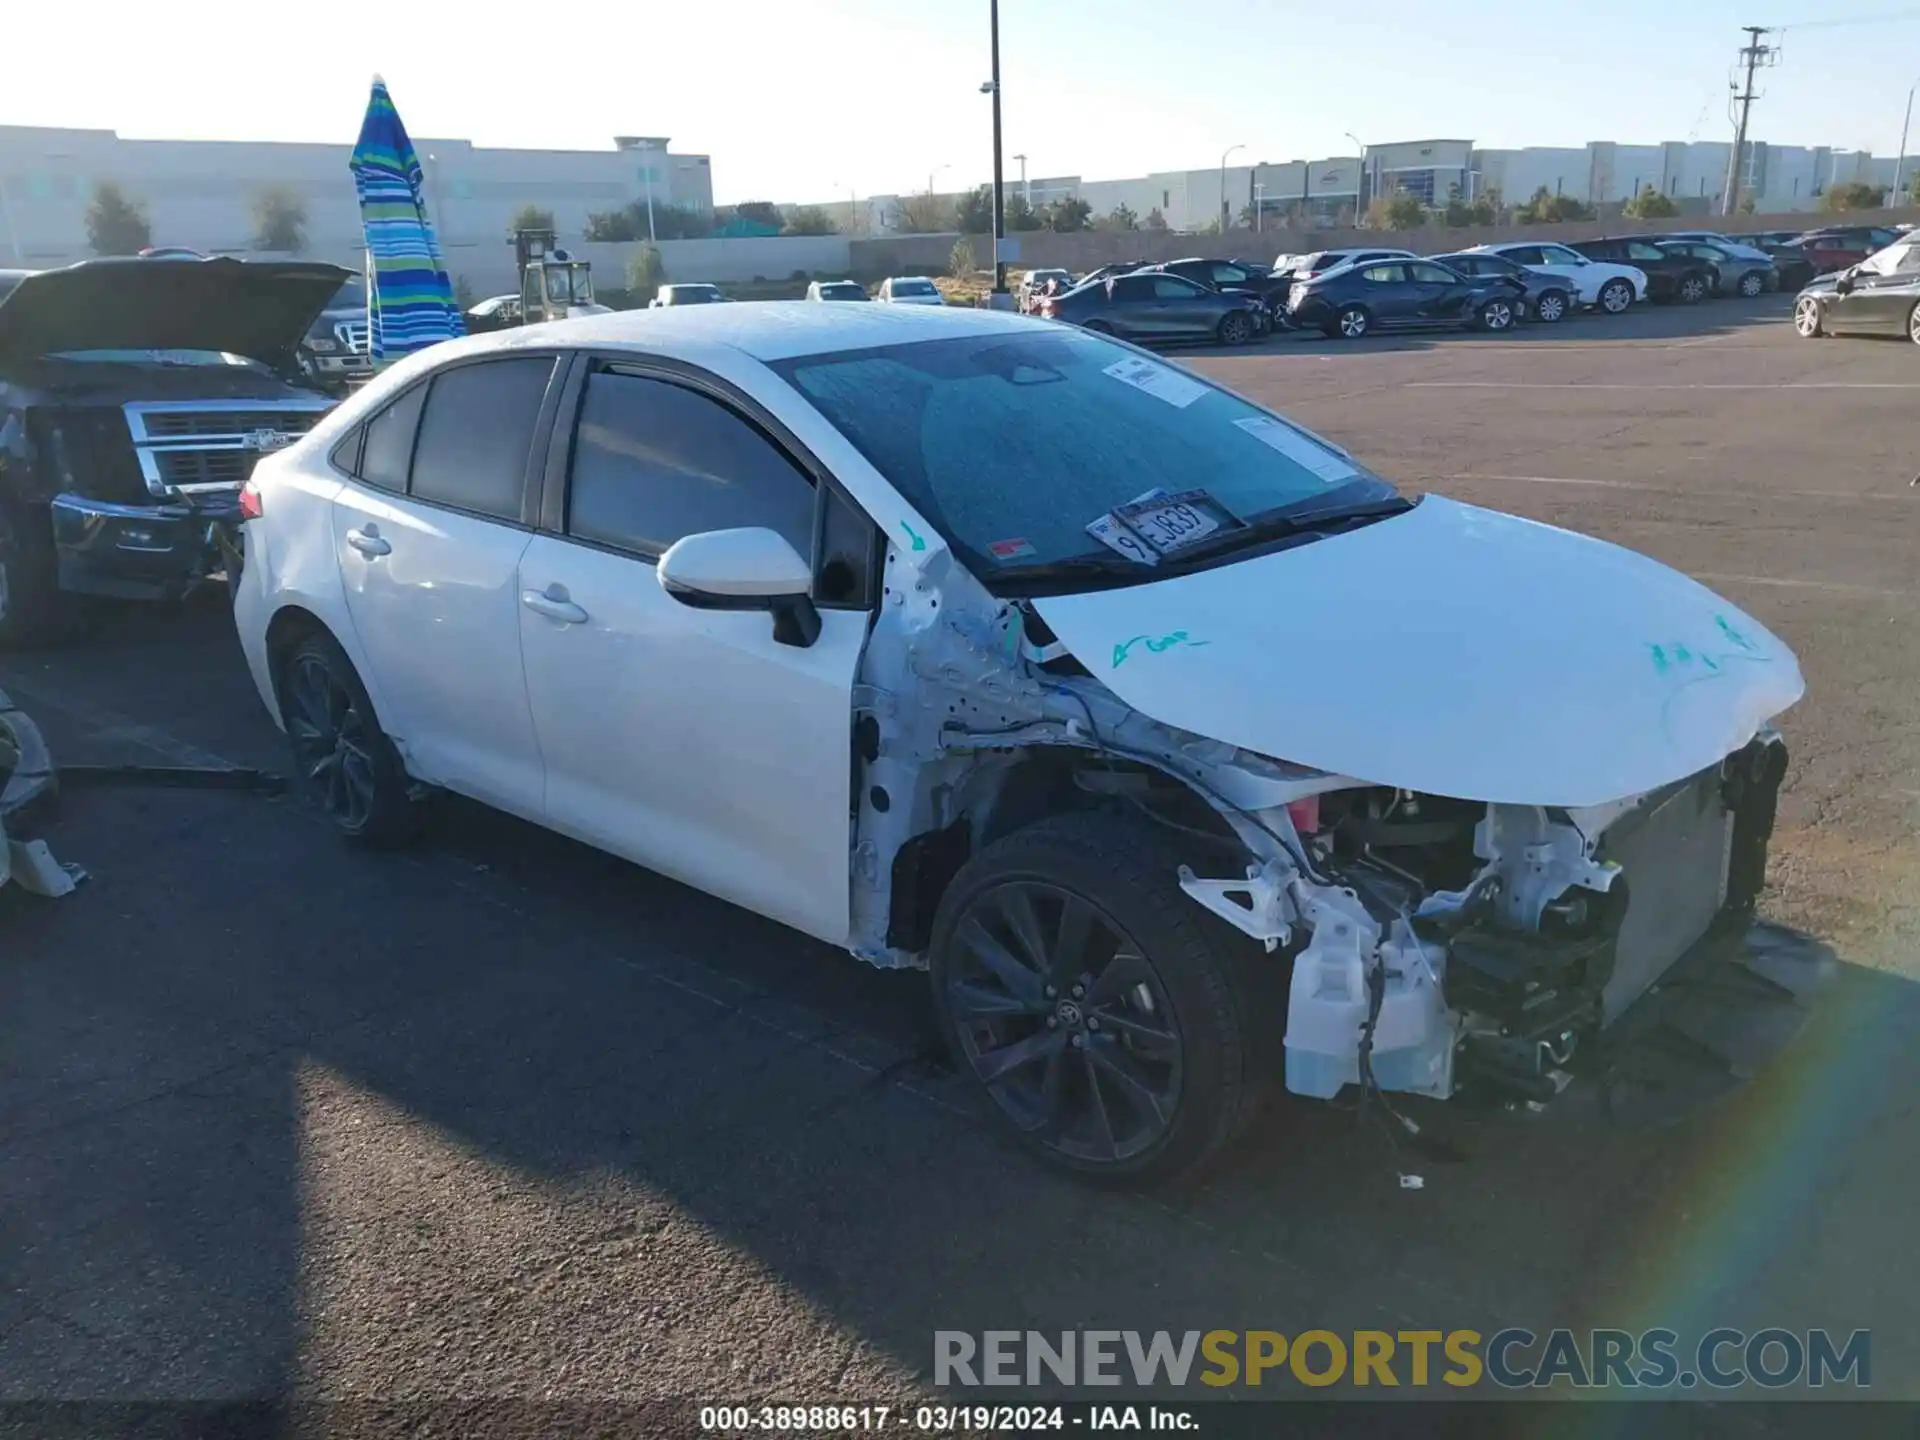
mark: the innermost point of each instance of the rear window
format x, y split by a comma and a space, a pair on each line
914, 287
476, 434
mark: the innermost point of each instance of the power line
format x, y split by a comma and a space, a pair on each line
1887, 19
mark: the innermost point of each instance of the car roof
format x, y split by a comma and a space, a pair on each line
895, 279
765, 330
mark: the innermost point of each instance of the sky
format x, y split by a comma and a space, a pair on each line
800, 100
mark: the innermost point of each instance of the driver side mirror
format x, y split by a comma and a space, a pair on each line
748, 569
1845, 282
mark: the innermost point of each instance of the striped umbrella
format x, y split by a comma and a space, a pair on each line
410, 301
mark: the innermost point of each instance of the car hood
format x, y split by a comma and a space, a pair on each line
259, 309
1451, 650
1822, 285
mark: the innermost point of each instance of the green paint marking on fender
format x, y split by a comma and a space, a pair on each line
1659, 659
1155, 645
918, 543
1734, 635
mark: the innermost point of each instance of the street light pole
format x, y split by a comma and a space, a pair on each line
1893, 197
1360, 196
999, 185
1223, 184
1025, 188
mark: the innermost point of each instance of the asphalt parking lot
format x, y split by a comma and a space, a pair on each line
504, 1117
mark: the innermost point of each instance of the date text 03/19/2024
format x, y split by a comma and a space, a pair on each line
941, 1419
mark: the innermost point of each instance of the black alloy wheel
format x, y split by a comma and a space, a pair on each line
341, 756
1236, 328
1065, 1022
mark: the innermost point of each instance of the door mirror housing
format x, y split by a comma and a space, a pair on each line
1845, 282
747, 569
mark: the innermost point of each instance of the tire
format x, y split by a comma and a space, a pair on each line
1616, 296
341, 756
1352, 323
1913, 324
1551, 308
33, 611
1693, 289
1807, 321
1235, 328
1752, 285
1495, 315
1133, 1070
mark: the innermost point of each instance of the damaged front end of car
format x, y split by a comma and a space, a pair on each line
1434, 942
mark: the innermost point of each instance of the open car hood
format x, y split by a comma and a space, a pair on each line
259, 309
1451, 650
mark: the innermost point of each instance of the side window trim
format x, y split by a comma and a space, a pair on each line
827, 489
532, 477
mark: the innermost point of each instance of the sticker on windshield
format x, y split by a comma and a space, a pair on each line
1004, 550
1310, 455
1159, 381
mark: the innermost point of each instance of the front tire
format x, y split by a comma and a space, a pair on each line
1352, 323
1234, 328
1693, 289
341, 756
1751, 285
1551, 307
1496, 315
1807, 320
1913, 324
1616, 296
1108, 1018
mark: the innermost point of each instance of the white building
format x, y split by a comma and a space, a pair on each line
201, 194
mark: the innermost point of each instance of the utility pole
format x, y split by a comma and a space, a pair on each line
1900, 159
1753, 54
999, 182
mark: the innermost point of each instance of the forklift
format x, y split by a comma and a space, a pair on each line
553, 285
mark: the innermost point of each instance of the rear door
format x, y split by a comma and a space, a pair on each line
1133, 310
691, 740
429, 537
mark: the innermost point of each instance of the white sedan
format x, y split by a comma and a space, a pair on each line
1601, 284
882, 622
909, 290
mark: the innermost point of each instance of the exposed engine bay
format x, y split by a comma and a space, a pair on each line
1431, 938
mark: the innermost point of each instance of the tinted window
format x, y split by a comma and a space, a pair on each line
346, 455
1433, 274
390, 442
1641, 250
1172, 287
1384, 274
1011, 444
845, 571
476, 432
1228, 275
653, 462
914, 287
1559, 255
1133, 287
1524, 255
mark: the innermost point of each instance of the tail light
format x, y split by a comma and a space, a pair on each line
250, 507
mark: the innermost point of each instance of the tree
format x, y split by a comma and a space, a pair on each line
1854, 195
973, 215
531, 217
960, 260
921, 214
760, 212
629, 222
1398, 211
1020, 215
1651, 204
645, 272
1121, 217
1747, 204
279, 220
1546, 208
1155, 221
809, 220
116, 224
1066, 215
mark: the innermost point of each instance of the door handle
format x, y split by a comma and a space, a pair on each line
369, 541
554, 604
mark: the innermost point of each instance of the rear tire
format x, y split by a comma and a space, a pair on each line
341, 756
1115, 1026
33, 611
1693, 289
1752, 285
1352, 323
1235, 328
1551, 307
1616, 297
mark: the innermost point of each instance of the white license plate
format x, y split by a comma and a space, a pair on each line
1168, 527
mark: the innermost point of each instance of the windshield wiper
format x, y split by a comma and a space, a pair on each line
1327, 520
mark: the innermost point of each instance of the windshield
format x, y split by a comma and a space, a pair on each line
569, 284
350, 296
1013, 445
156, 357
914, 287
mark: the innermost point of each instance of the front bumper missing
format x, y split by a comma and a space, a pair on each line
140, 552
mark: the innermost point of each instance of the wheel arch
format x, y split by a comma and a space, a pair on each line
291, 622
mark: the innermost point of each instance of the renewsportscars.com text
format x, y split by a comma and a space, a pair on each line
1721, 1359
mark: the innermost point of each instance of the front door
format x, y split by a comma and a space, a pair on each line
429, 539
690, 740
1443, 300
1390, 295
1183, 308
